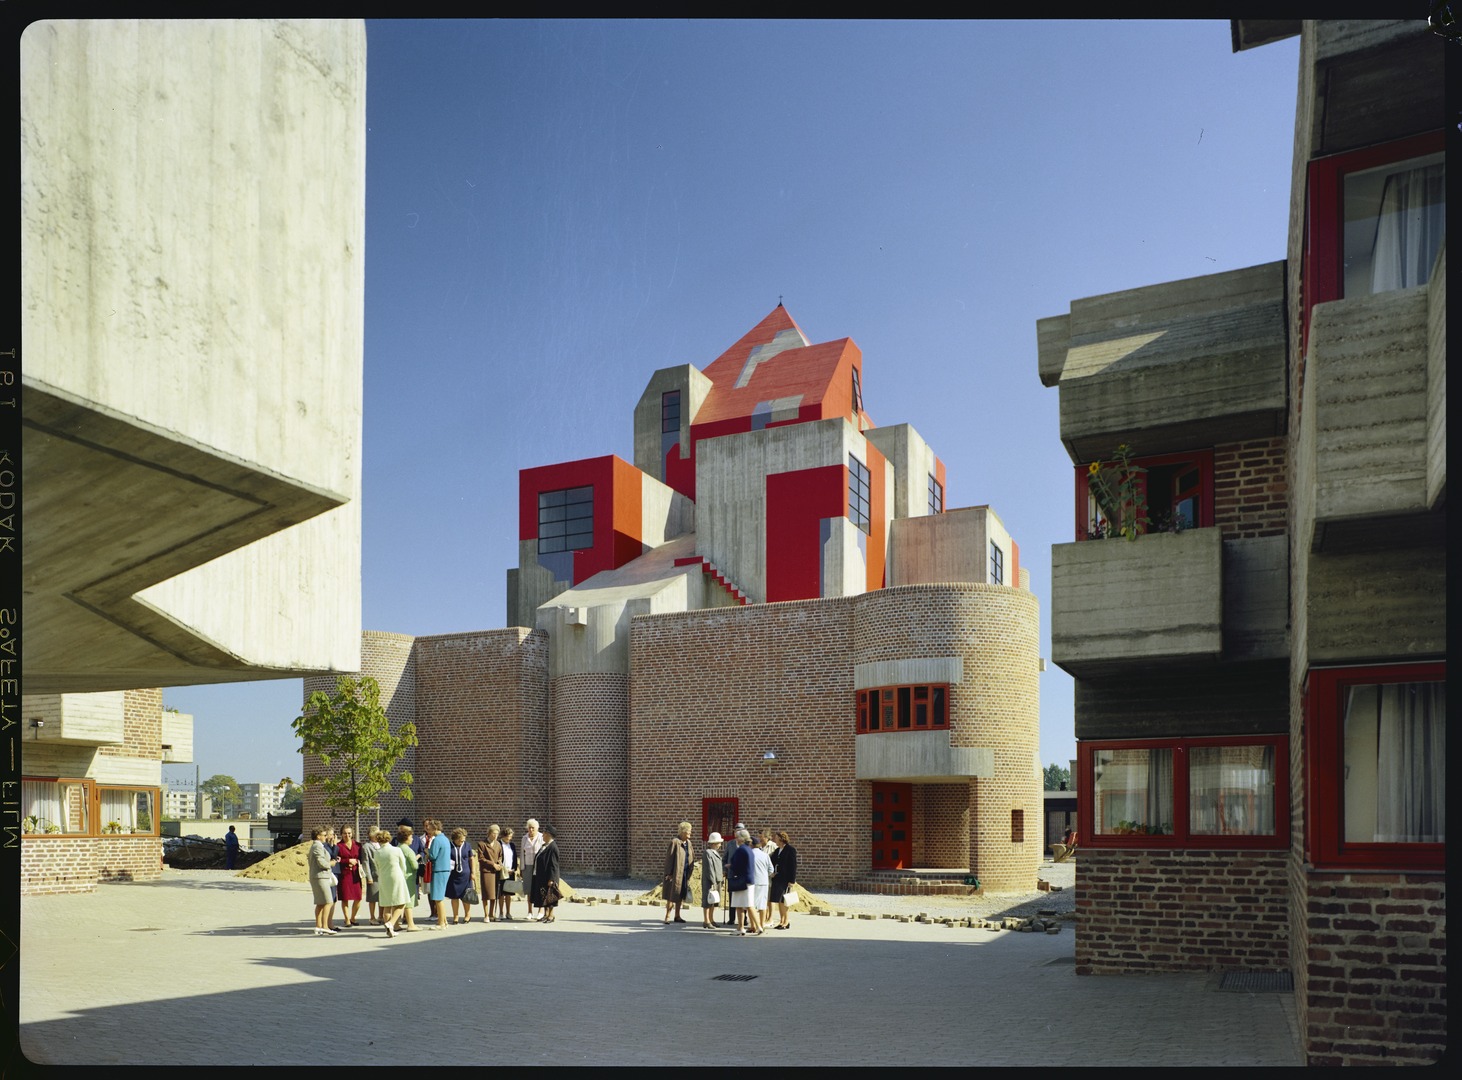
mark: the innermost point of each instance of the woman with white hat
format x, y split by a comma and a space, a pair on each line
713, 879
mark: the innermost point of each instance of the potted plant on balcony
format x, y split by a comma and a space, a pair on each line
1120, 496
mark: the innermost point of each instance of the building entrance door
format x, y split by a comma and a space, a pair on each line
892, 821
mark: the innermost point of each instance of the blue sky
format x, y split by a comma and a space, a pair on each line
554, 210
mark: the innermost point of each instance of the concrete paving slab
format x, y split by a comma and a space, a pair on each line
203, 968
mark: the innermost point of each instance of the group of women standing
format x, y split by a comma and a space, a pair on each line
389, 873
755, 874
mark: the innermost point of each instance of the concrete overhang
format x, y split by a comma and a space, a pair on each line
1251, 33
112, 507
919, 757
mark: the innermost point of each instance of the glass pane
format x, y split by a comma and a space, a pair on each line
1231, 791
551, 498
1395, 218
897, 815
897, 834
939, 719
1395, 757
904, 713
1132, 790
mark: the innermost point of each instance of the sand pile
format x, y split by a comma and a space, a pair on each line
287, 865
806, 901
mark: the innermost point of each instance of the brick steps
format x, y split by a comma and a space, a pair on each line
913, 883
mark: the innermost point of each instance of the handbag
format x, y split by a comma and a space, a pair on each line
470, 897
551, 895
713, 898
790, 896
512, 886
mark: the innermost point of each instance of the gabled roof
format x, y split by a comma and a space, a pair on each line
774, 370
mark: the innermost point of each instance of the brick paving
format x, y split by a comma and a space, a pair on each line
203, 968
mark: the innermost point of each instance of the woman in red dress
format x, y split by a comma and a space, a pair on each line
352, 889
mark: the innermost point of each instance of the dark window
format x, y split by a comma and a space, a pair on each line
670, 412
902, 708
936, 496
857, 391
565, 520
1017, 826
858, 500
997, 564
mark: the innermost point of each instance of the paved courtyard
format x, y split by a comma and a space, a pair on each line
204, 968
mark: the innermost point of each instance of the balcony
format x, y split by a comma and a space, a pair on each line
1170, 367
75, 719
1156, 599
1370, 464
177, 738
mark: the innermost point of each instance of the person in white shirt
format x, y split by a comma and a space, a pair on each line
761, 880
528, 849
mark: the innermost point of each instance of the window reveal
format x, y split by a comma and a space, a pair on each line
903, 708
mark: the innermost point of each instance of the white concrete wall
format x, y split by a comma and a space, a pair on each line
93, 719
193, 212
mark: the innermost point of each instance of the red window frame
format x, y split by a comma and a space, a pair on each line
1323, 275
1180, 836
904, 701
1203, 459
707, 803
1324, 773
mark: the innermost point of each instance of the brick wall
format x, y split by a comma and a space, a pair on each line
590, 778
390, 660
482, 708
1151, 911
1251, 488
995, 630
942, 841
128, 858
711, 692
58, 866
1370, 965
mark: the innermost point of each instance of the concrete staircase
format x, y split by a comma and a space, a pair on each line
709, 568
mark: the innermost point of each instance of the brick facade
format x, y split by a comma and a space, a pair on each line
391, 661
1156, 910
590, 770
1251, 488
69, 864
713, 690
482, 718
1370, 966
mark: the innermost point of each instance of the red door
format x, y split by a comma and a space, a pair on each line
891, 818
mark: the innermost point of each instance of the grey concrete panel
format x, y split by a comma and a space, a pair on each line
1251, 33
913, 462
92, 719
1158, 598
1436, 383
1256, 598
909, 672
1053, 338
1374, 81
919, 757
693, 386
1367, 374
1213, 699
1383, 604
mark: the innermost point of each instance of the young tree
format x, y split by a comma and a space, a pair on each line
1056, 775
225, 792
291, 795
351, 735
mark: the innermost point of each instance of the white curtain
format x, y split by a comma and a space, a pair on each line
121, 807
1160, 790
1410, 228
1411, 757
42, 800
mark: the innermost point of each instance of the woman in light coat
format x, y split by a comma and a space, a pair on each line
527, 853
713, 879
679, 862
395, 877
322, 880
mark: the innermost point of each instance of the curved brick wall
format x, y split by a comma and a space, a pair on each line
590, 771
995, 630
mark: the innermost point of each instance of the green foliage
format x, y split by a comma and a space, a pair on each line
1055, 776
1121, 494
351, 735
225, 792
292, 799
